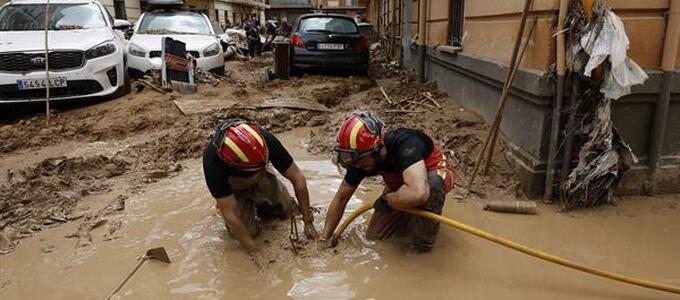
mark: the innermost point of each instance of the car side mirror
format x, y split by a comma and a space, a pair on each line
121, 24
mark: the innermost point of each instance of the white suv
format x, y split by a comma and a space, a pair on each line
86, 54
188, 26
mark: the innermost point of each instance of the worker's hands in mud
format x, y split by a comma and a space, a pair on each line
380, 205
310, 231
329, 242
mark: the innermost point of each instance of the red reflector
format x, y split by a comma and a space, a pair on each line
296, 41
361, 44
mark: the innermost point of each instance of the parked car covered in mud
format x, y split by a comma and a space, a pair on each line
86, 52
328, 41
191, 27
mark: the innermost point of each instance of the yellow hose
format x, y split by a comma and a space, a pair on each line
515, 246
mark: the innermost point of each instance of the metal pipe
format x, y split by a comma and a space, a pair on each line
422, 38
557, 108
569, 130
670, 53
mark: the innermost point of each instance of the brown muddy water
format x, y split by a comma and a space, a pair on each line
640, 237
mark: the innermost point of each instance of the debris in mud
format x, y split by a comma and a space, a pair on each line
84, 235
294, 103
48, 249
7, 237
203, 76
111, 230
46, 194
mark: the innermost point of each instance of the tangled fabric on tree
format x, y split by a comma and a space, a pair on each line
604, 156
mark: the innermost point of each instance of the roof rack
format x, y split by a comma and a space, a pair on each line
166, 3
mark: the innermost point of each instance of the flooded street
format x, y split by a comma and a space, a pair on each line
637, 238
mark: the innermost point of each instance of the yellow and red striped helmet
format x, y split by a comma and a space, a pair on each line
241, 145
360, 133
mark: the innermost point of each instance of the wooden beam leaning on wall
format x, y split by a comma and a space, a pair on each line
495, 127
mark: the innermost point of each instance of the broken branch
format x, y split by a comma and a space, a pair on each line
386, 97
429, 97
152, 86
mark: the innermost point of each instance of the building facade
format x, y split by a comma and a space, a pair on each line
235, 12
293, 9
465, 46
290, 9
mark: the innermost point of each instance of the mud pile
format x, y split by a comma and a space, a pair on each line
45, 195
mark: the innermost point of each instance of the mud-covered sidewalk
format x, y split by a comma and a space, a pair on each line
81, 199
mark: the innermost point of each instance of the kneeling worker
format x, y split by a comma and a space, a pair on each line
235, 167
416, 175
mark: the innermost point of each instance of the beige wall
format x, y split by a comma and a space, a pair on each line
491, 25
132, 10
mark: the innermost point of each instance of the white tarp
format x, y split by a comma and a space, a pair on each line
612, 42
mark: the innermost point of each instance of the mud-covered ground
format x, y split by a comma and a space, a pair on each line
119, 146
82, 198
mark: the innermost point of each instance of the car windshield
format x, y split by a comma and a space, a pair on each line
25, 17
328, 25
174, 22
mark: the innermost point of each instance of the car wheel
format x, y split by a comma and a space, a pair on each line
295, 72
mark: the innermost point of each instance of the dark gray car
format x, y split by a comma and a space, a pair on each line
328, 41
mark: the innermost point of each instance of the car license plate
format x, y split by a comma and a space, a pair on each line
326, 46
34, 84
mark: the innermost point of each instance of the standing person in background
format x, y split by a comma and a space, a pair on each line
285, 27
253, 35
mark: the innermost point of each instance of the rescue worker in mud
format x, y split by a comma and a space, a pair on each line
415, 172
237, 172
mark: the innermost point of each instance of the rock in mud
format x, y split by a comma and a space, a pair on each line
48, 249
7, 237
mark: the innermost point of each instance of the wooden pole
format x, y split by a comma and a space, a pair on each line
47, 63
557, 108
506, 89
504, 99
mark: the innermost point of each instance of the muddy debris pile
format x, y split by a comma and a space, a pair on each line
45, 196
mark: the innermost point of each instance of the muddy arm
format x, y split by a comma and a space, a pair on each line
415, 190
229, 207
337, 208
302, 194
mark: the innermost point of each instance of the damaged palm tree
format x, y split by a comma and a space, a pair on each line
601, 73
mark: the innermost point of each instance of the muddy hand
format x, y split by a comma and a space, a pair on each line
310, 231
326, 243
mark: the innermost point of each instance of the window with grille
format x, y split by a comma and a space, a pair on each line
456, 18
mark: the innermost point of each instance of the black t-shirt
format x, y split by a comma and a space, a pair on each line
217, 172
404, 146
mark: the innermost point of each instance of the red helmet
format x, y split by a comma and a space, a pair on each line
361, 134
241, 145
